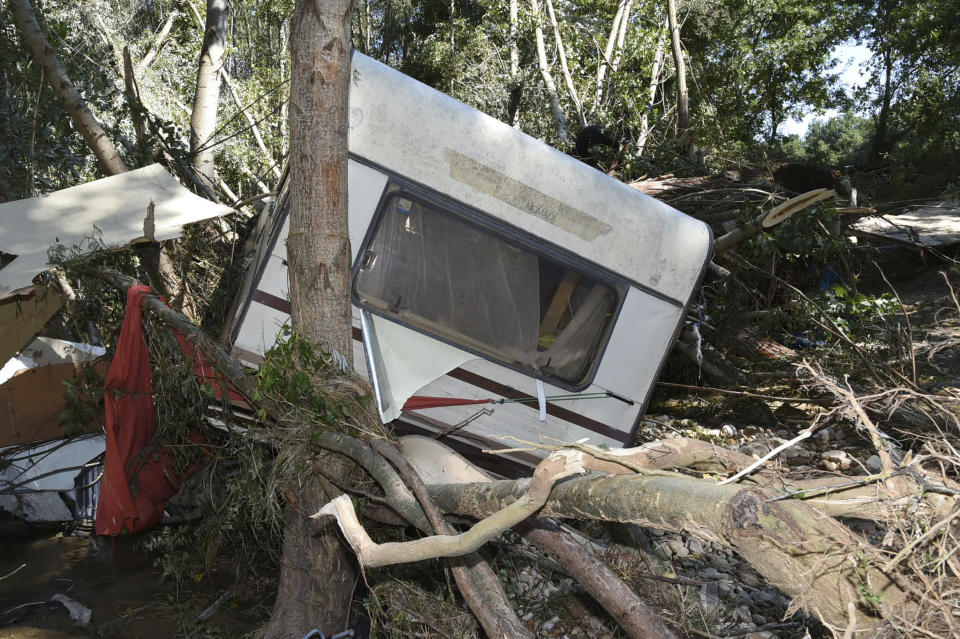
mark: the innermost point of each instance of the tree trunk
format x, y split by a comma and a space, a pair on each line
656, 70
545, 73
513, 103
810, 556
203, 121
683, 105
880, 143
317, 573
608, 51
93, 134
562, 52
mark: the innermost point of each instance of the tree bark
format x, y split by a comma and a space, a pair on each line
880, 143
608, 51
158, 42
478, 584
614, 50
545, 73
317, 573
203, 120
683, 99
636, 619
318, 242
93, 134
567, 78
133, 100
513, 103
808, 555
656, 70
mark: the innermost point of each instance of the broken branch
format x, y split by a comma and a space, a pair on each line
371, 554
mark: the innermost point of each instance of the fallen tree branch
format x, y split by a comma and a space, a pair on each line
807, 554
793, 544
636, 618
371, 554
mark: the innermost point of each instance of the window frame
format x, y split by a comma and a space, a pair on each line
486, 223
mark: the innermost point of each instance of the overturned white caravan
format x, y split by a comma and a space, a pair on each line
488, 266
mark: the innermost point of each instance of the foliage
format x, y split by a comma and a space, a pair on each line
844, 140
852, 311
84, 398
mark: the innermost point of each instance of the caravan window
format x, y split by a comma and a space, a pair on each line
435, 271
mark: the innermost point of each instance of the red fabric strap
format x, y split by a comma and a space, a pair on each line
419, 402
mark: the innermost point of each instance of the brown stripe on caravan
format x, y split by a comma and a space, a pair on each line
497, 464
247, 356
478, 441
552, 409
274, 302
509, 392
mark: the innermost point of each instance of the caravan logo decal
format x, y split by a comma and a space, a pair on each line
492, 182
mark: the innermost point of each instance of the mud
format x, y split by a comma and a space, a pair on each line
117, 581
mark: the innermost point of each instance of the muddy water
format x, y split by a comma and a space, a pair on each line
113, 578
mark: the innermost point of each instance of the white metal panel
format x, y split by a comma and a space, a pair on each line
274, 279
117, 205
485, 163
366, 186
47, 466
520, 420
280, 248
260, 329
410, 362
639, 342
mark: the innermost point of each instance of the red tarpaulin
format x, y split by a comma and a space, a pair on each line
138, 478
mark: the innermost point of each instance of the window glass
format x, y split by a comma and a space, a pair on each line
432, 270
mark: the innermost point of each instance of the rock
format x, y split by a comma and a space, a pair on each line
826, 435
751, 579
728, 430
694, 546
709, 573
742, 614
662, 550
873, 464
758, 449
837, 459
677, 548
548, 625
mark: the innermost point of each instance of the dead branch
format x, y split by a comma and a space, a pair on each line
792, 543
130, 89
371, 554
637, 619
